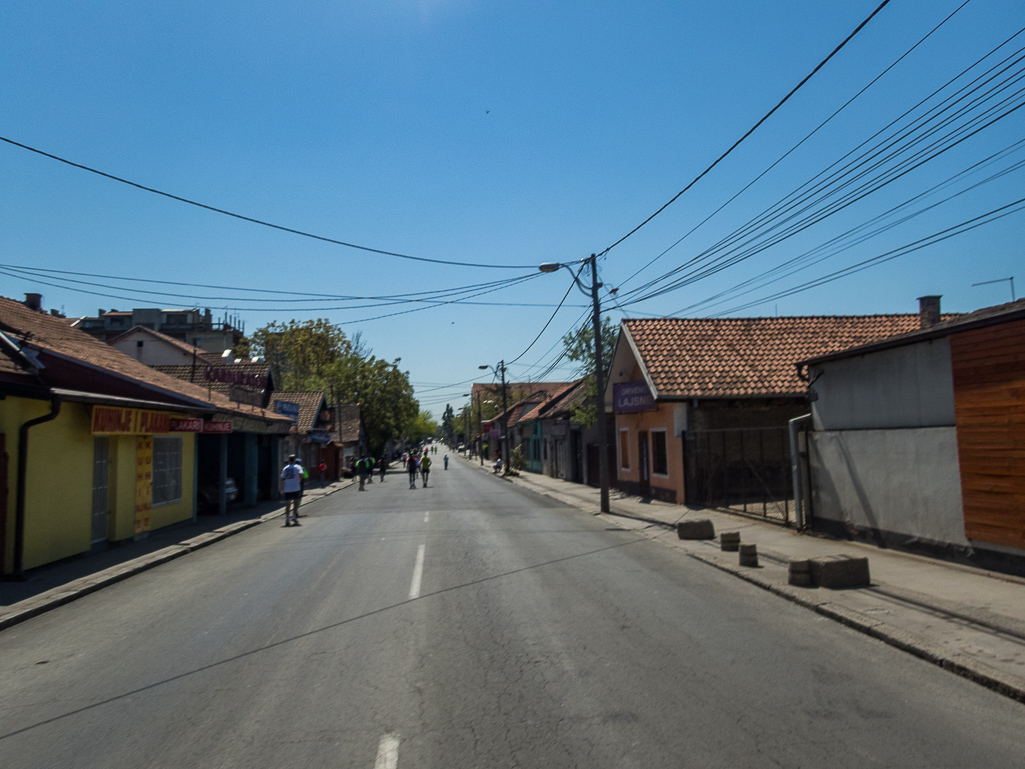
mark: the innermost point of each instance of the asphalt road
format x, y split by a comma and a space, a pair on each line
470, 624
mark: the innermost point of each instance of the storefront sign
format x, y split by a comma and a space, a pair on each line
216, 428
630, 397
230, 375
320, 437
187, 425
288, 409
143, 483
108, 420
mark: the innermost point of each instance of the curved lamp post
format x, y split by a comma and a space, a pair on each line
599, 374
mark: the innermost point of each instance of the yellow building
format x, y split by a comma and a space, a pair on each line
96, 447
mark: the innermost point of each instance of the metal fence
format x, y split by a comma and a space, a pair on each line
741, 469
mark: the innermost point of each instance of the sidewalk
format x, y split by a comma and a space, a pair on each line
969, 621
47, 587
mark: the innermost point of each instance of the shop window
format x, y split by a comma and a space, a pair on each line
624, 449
167, 470
659, 453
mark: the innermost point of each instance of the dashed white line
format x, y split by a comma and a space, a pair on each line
418, 572
388, 752
427, 517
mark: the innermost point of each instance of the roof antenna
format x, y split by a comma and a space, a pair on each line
999, 280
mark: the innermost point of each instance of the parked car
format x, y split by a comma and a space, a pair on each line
207, 497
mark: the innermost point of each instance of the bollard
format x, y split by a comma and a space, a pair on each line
748, 555
729, 541
840, 571
701, 528
799, 572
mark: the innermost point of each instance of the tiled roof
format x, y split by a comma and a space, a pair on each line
208, 358
309, 406
347, 418
949, 324
50, 334
743, 357
194, 374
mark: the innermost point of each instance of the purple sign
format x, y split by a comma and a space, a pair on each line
629, 397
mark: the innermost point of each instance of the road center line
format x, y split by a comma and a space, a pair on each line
418, 572
427, 517
388, 752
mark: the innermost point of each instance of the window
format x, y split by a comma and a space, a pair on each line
167, 470
659, 453
624, 449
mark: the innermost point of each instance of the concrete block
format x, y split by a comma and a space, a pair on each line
748, 555
837, 571
700, 528
729, 541
799, 572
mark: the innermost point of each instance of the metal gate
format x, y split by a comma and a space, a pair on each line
741, 469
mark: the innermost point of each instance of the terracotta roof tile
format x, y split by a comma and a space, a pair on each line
50, 334
309, 406
740, 357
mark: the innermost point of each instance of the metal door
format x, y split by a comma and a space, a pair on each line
101, 487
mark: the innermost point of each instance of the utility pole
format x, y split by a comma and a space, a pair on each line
505, 421
599, 375
480, 437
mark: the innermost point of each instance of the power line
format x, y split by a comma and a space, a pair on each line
753, 128
261, 222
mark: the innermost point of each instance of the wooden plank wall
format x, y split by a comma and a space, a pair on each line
989, 406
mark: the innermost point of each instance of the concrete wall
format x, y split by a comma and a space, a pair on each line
903, 482
905, 387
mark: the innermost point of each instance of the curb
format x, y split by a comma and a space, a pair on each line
966, 667
79, 588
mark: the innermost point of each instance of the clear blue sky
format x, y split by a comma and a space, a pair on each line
498, 133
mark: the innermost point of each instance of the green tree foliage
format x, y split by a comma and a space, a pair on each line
579, 346
448, 427
317, 355
422, 426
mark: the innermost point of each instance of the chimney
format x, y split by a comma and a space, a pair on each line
928, 311
34, 302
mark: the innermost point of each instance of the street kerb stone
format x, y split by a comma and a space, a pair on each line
799, 572
840, 571
700, 528
748, 555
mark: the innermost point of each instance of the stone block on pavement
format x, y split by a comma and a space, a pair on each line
729, 541
836, 571
748, 555
700, 528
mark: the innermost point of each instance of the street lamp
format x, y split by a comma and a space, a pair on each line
599, 374
505, 414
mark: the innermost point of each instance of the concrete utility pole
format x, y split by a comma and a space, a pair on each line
500, 369
599, 373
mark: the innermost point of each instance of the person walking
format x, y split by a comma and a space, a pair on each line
411, 469
291, 479
384, 467
425, 468
446, 461
363, 469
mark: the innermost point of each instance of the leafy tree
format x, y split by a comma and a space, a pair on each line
421, 427
316, 355
447, 423
579, 346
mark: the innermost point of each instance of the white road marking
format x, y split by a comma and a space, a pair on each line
418, 573
388, 752
427, 517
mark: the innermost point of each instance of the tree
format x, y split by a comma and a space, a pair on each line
421, 427
448, 427
316, 355
579, 346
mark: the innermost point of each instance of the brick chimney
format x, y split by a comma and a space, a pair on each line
928, 311
34, 302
